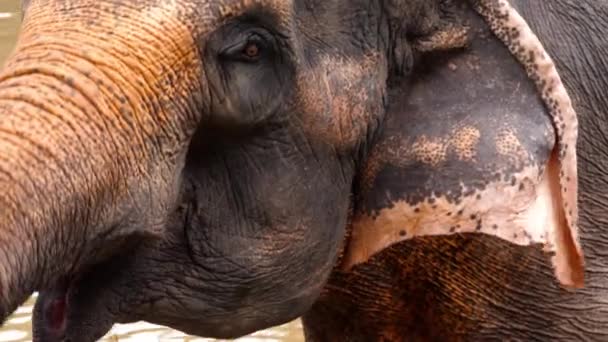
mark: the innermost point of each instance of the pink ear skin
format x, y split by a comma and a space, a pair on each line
467, 148
512, 29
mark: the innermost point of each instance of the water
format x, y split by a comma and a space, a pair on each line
18, 327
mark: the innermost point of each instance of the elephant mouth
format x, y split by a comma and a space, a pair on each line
54, 309
60, 307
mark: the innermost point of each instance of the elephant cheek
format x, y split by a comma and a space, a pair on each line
346, 103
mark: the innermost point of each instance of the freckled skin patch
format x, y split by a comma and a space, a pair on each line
448, 38
518, 211
429, 151
465, 142
460, 143
507, 143
512, 29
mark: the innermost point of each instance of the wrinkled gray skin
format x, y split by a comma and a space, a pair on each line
431, 289
202, 191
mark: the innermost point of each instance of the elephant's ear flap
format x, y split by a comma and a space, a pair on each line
470, 149
506, 23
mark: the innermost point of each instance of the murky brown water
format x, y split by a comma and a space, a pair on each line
18, 327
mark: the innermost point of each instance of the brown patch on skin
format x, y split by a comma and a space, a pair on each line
465, 142
507, 144
462, 140
343, 99
429, 151
447, 38
506, 23
374, 163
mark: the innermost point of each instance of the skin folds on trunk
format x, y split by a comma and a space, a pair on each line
76, 111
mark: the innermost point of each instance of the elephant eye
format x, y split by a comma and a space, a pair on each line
253, 48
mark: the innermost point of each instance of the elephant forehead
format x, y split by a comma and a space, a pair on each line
237, 7
205, 13
217, 11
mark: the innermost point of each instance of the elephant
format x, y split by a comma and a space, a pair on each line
209, 165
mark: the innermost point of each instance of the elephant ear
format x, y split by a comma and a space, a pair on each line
474, 143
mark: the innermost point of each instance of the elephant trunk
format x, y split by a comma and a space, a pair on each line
95, 119
62, 180
39, 187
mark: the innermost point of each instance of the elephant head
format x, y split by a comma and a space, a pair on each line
193, 163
